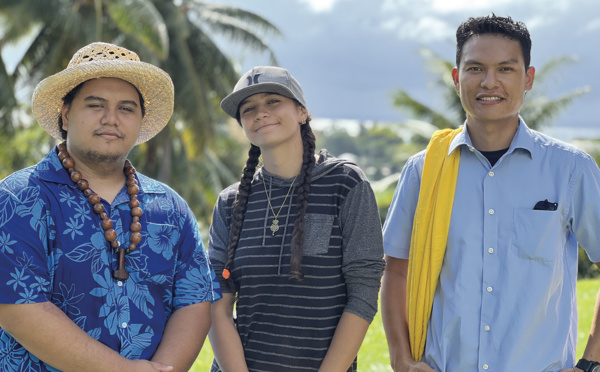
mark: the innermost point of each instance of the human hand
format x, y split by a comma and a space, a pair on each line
148, 366
409, 365
161, 367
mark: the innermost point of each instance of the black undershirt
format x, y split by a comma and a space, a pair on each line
493, 156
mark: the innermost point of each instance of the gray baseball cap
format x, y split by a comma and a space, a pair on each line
262, 79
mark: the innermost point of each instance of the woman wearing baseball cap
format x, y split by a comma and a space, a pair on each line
296, 244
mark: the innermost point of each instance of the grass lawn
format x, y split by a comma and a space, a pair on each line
374, 356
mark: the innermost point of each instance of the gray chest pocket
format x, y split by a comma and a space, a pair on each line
317, 233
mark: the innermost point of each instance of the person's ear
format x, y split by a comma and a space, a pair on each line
65, 117
529, 77
303, 114
455, 79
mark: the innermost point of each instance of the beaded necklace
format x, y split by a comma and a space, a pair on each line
94, 199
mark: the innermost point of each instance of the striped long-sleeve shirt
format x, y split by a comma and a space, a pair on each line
285, 324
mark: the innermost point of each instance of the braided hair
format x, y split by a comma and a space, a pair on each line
305, 177
241, 201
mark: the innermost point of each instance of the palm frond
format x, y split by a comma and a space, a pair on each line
254, 20
235, 29
540, 111
550, 71
403, 100
141, 20
7, 97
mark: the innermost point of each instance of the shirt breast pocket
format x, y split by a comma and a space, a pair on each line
317, 233
537, 235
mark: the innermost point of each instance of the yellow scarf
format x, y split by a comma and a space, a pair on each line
430, 234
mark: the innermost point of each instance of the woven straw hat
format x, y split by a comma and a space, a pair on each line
102, 60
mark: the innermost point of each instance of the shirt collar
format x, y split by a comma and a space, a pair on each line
50, 169
523, 139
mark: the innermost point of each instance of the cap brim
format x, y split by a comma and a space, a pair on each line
231, 103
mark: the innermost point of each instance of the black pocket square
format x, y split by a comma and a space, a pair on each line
545, 205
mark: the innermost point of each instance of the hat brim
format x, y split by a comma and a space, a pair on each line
154, 85
231, 103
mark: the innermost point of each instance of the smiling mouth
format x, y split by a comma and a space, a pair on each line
489, 99
265, 126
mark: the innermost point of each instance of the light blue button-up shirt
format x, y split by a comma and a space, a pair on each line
506, 298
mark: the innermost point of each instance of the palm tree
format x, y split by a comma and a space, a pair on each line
538, 109
176, 35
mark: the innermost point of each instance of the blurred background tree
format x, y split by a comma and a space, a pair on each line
195, 155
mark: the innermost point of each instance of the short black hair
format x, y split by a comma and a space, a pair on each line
494, 24
69, 97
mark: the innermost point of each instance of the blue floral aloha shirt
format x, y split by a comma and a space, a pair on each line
52, 248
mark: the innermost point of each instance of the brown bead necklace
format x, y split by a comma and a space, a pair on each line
94, 199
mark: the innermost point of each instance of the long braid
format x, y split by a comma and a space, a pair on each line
305, 177
239, 208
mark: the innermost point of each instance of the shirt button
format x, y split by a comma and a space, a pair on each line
487, 328
120, 283
491, 174
491, 211
489, 289
124, 325
485, 366
490, 250
471, 149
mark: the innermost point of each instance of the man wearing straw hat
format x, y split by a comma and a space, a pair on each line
101, 268
481, 239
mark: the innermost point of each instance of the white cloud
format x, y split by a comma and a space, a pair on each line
319, 6
427, 29
423, 29
446, 6
592, 25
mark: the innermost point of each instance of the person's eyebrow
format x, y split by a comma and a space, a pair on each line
264, 94
95, 98
128, 102
478, 63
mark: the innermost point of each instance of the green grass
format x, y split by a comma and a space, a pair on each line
374, 355
587, 289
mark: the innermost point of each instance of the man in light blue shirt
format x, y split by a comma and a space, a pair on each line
505, 300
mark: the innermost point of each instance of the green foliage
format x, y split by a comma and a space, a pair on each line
374, 355
453, 114
7, 96
376, 148
586, 268
587, 291
202, 172
177, 36
141, 20
26, 148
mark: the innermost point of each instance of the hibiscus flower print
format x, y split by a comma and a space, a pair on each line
162, 239
74, 228
5, 243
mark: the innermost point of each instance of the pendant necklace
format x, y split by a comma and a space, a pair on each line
94, 199
275, 224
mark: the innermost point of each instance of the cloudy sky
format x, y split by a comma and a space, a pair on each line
350, 55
